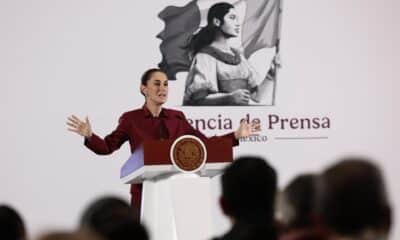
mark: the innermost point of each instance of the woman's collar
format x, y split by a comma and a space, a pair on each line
223, 56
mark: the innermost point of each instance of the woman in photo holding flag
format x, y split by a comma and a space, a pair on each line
220, 74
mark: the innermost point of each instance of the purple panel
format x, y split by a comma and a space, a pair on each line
134, 162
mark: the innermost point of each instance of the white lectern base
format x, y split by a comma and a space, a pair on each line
178, 208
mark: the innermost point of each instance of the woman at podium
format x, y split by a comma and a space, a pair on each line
150, 122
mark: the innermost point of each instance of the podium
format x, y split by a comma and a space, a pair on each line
176, 205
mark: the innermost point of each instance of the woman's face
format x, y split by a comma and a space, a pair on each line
231, 26
156, 88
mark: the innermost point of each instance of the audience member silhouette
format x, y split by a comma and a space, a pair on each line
296, 209
113, 218
352, 202
348, 200
12, 227
249, 186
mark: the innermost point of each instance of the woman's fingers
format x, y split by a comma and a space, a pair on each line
245, 96
77, 125
255, 124
248, 129
72, 124
246, 91
73, 130
74, 119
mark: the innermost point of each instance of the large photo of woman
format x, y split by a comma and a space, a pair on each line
219, 73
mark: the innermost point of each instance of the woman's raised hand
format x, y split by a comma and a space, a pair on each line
246, 129
82, 128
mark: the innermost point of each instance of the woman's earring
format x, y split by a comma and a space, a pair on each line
216, 22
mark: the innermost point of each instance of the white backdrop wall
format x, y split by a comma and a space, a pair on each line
340, 61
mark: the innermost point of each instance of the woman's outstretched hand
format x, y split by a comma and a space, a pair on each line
246, 129
82, 128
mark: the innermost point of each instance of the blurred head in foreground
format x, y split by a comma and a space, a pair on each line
352, 200
12, 226
113, 218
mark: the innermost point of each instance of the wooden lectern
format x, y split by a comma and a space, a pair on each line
176, 205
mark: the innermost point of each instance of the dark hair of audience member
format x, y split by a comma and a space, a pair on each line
12, 226
113, 218
248, 190
299, 195
352, 198
65, 235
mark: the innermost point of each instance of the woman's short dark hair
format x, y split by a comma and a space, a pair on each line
148, 73
207, 34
